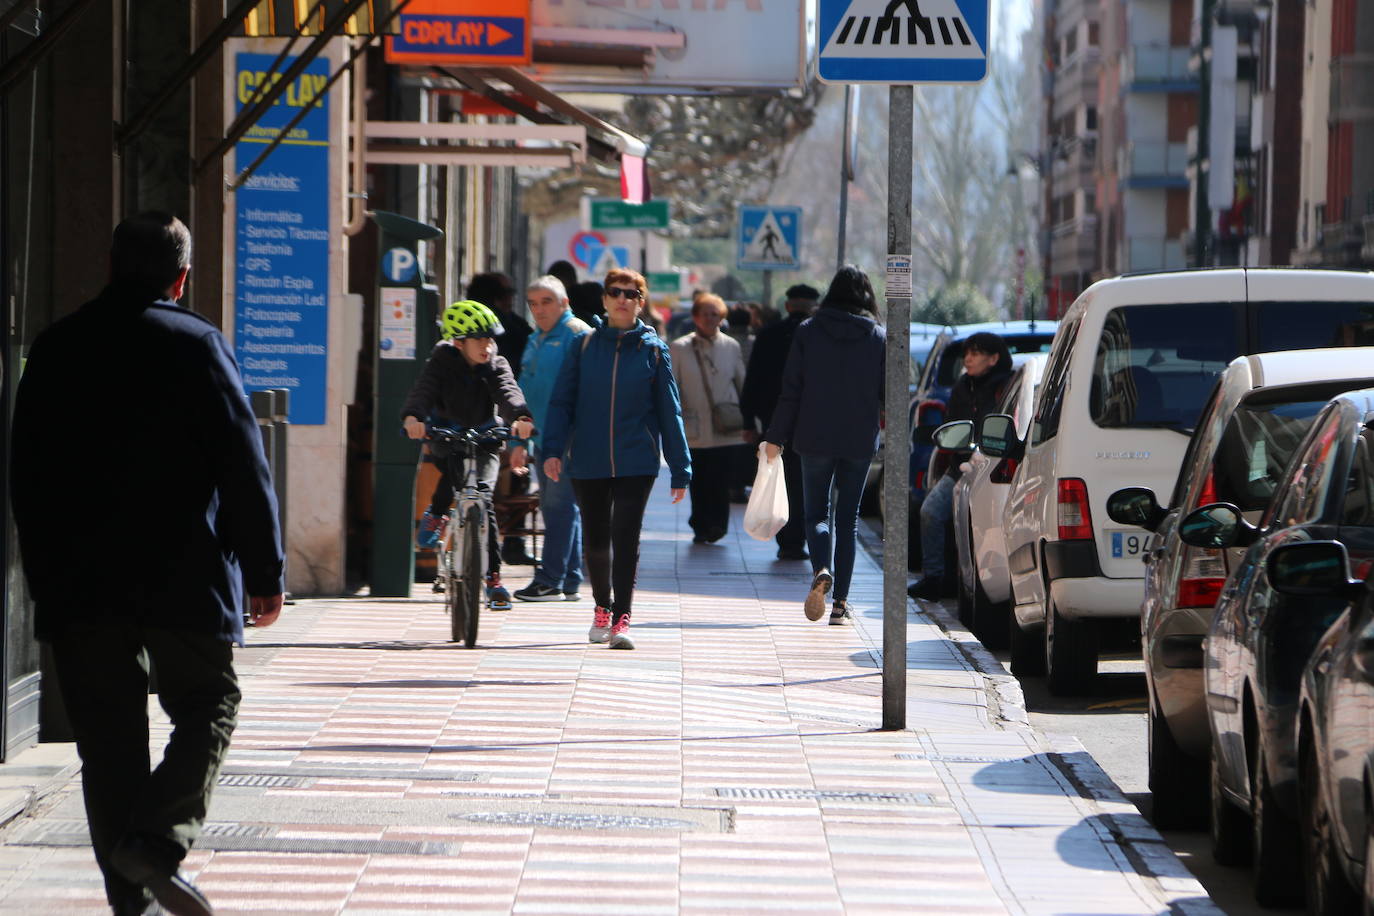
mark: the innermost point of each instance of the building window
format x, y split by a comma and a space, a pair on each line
1092, 34
1090, 120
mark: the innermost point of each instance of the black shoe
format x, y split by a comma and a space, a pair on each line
785, 553
840, 616
136, 862
513, 556
929, 588
537, 592
572, 596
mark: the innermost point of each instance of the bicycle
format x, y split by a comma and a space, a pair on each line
462, 552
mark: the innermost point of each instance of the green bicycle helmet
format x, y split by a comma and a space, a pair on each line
466, 318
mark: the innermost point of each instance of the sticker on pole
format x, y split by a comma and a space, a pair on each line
769, 238
903, 41
899, 276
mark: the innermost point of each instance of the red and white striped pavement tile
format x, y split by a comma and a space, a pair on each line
732, 763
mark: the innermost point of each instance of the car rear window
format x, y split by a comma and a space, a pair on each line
1312, 325
1156, 364
952, 359
1259, 439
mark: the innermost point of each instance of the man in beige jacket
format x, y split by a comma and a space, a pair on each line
710, 376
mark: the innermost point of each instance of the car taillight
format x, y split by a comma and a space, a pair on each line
1004, 471
1209, 490
1204, 573
920, 480
1075, 521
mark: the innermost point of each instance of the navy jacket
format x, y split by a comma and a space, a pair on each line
832, 387
451, 388
614, 402
135, 407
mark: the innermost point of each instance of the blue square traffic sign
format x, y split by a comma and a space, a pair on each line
903, 41
769, 238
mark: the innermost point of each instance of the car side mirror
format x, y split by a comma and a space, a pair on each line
956, 435
1135, 506
1216, 526
1313, 569
997, 437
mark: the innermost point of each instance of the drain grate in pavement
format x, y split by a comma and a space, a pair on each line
263, 781
568, 821
883, 798
230, 837
362, 771
964, 758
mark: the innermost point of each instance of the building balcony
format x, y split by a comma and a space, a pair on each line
1153, 164
1075, 83
1076, 162
1352, 87
1154, 253
1073, 245
1157, 68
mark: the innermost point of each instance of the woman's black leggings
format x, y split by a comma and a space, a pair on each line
612, 516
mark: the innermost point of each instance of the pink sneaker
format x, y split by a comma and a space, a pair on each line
601, 625
620, 634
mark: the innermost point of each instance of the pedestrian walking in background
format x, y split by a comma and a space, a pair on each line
187, 521
987, 367
566, 274
466, 384
559, 573
497, 292
710, 375
614, 403
829, 409
739, 325
762, 387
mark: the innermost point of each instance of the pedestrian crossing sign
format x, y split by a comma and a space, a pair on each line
769, 238
902, 41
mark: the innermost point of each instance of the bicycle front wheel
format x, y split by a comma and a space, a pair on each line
454, 597
471, 573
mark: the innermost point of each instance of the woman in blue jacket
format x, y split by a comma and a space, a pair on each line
614, 403
829, 410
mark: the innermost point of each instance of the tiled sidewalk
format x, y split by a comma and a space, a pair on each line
730, 764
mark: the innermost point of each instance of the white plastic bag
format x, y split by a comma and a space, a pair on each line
767, 510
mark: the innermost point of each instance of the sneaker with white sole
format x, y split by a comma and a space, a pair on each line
601, 625
620, 634
815, 599
537, 591
840, 616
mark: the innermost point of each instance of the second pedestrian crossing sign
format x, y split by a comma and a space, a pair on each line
903, 41
769, 238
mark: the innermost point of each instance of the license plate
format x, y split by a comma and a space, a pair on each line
1127, 543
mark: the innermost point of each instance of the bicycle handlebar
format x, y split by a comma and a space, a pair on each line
487, 436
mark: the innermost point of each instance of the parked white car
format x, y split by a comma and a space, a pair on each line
979, 499
1133, 363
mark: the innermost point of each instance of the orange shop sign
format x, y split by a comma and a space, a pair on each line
462, 33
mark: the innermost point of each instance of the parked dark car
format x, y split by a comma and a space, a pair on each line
1262, 637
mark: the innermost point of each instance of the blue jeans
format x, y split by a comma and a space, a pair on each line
560, 565
847, 476
936, 512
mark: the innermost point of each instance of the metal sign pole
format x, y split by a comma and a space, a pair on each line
897, 432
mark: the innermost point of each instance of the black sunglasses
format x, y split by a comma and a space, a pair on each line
617, 291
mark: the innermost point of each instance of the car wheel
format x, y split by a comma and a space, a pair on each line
1328, 888
1027, 649
991, 621
1177, 780
1070, 654
1273, 842
1230, 825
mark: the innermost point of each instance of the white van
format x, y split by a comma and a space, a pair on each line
1133, 363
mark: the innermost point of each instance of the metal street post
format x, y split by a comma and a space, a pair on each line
897, 430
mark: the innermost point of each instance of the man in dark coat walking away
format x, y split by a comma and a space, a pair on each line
762, 386
186, 521
987, 366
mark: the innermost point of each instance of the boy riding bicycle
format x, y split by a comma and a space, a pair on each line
465, 384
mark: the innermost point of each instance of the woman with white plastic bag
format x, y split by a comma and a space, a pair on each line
767, 510
829, 409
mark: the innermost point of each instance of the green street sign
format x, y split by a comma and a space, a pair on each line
664, 282
608, 213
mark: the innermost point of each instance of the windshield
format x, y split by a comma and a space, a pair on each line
1313, 325
1156, 364
1256, 445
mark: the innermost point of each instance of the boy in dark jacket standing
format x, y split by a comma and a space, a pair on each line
987, 366
465, 384
187, 522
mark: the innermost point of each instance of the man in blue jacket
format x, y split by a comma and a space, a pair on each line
141, 400
559, 574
